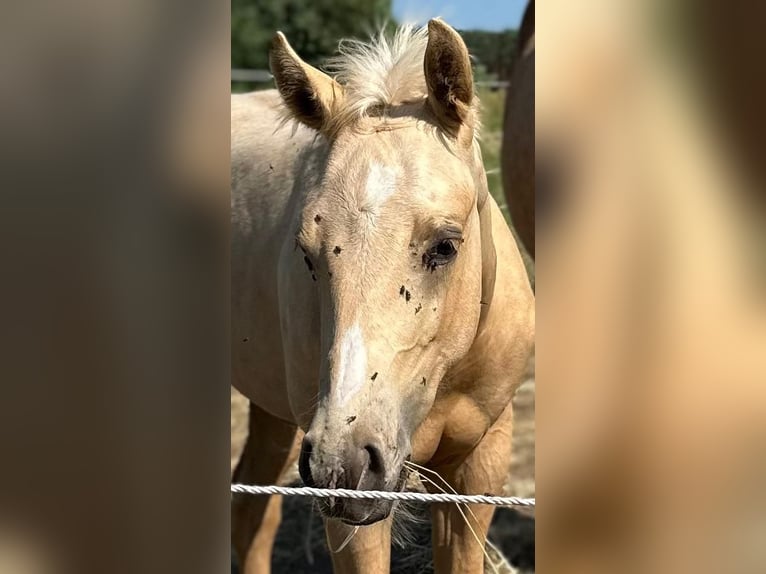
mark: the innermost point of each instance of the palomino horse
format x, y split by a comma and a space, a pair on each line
519, 135
379, 301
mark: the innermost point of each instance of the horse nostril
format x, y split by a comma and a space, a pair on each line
376, 459
304, 468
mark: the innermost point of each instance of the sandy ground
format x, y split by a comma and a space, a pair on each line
300, 547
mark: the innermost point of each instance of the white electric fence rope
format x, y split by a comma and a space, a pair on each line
381, 495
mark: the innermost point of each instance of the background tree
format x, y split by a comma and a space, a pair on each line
494, 51
313, 27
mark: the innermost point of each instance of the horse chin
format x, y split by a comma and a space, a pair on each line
359, 512
376, 516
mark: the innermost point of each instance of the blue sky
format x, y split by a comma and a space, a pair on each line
463, 14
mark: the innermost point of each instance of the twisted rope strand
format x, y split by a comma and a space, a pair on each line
381, 495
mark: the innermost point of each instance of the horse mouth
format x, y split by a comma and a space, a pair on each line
372, 519
355, 511
361, 511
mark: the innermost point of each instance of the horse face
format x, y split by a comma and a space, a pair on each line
391, 239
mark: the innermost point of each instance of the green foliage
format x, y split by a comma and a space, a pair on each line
493, 51
492, 106
313, 27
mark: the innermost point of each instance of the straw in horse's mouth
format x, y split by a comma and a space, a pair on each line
403, 473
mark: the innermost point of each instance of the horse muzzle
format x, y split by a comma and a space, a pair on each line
358, 467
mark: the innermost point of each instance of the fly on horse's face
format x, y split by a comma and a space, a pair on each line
391, 239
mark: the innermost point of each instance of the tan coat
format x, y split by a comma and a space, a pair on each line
379, 301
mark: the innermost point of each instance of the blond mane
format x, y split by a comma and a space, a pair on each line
380, 73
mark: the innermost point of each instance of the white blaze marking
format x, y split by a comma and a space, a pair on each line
352, 364
381, 184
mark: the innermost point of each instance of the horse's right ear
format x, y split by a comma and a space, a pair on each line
310, 95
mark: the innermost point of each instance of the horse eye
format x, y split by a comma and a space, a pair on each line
445, 249
440, 254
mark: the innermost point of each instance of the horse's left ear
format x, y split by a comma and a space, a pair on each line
448, 76
310, 95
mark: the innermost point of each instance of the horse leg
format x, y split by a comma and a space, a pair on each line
369, 551
255, 519
485, 470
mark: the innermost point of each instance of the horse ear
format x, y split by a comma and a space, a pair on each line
449, 76
310, 95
